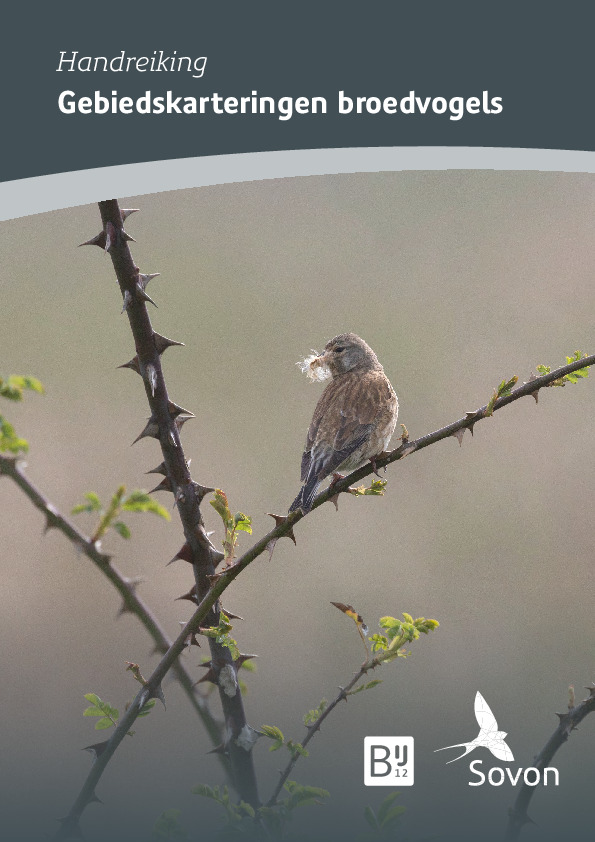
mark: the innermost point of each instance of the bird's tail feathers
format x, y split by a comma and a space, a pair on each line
305, 497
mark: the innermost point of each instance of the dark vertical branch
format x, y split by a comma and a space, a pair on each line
518, 816
164, 424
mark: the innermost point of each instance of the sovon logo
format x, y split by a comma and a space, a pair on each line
494, 740
388, 761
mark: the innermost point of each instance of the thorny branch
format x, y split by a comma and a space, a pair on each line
162, 425
518, 816
12, 467
342, 695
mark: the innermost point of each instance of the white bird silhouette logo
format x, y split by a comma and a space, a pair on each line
489, 737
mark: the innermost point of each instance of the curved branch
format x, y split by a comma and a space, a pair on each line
518, 816
224, 579
131, 602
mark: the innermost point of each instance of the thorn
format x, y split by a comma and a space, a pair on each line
181, 420
133, 364
335, 501
97, 748
472, 425
140, 293
561, 716
175, 410
157, 693
126, 237
209, 677
220, 749
162, 343
407, 449
125, 212
535, 395
201, 491
127, 301
93, 799
591, 690
98, 240
233, 616
191, 595
185, 554
240, 660
458, 435
151, 375
124, 609
145, 279
164, 485
151, 430
280, 519
51, 516
160, 469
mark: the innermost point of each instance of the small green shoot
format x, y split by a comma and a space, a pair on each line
136, 501
233, 523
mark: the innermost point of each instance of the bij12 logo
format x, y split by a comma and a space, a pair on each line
491, 738
388, 761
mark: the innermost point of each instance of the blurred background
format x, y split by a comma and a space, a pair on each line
457, 280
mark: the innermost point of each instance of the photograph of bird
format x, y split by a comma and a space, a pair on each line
489, 737
354, 419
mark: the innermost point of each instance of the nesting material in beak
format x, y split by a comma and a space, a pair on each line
315, 367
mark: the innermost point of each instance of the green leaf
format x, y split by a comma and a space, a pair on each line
93, 504
242, 523
221, 507
314, 715
385, 806
122, 529
203, 790
370, 817
141, 501
247, 808
393, 815
104, 723
367, 686
168, 827
273, 733
9, 441
13, 387
301, 795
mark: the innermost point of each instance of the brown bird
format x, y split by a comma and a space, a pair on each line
354, 418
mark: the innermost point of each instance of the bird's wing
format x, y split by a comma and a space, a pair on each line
485, 718
342, 421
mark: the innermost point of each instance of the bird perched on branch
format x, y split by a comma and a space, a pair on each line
355, 417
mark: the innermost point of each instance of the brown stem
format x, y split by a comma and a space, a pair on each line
517, 815
342, 695
131, 602
186, 495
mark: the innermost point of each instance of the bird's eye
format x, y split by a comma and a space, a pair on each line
339, 350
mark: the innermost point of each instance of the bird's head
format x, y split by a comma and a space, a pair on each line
346, 352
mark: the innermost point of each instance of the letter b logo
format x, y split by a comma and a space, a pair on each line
388, 761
